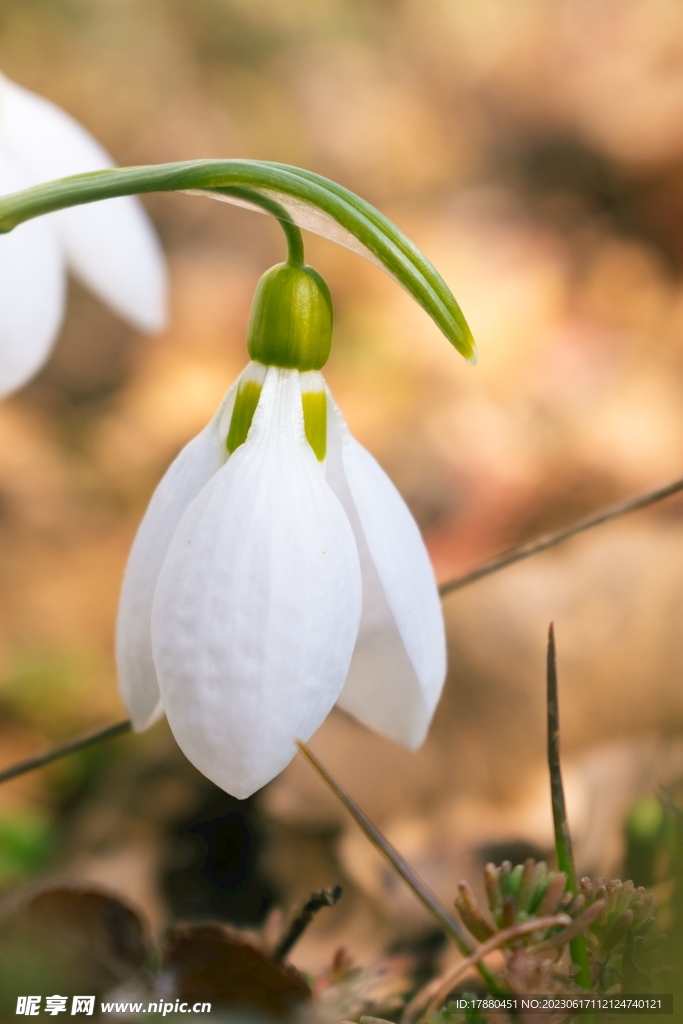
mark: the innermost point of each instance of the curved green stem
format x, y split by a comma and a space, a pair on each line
308, 199
295, 243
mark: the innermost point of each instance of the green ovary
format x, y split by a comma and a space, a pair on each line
315, 421
291, 319
248, 395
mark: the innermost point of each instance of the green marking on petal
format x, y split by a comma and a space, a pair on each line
315, 421
248, 395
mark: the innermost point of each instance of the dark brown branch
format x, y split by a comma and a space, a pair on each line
318, 900
67, 748
551, 540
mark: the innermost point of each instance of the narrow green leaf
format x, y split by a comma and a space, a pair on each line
563, 839
312, 202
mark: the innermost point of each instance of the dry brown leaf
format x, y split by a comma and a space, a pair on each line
69, 940
208, 962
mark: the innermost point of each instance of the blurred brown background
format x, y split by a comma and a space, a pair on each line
534, 151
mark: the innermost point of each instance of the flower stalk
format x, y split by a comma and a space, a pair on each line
295, 243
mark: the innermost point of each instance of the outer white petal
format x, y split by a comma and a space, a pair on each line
110, 245
399, 664
258, 603
32, 282
184, 479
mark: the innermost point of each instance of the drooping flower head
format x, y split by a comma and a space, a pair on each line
277, 570
110, 246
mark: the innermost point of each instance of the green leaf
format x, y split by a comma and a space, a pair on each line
311, 201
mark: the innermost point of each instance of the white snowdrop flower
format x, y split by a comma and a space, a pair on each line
110, 245
277, 570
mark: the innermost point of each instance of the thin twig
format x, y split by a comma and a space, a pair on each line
551, 540
563, 839
67, 748
433, 904
315, 902
421, 890
578, 926
516, 931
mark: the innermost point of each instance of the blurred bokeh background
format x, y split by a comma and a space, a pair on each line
534, 151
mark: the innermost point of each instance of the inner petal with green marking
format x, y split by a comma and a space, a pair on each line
314, 403
247, 399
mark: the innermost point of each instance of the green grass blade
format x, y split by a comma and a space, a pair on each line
563, 840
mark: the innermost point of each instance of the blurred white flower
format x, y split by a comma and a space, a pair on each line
266, 585
109, 245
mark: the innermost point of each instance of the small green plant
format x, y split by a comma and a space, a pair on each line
557, 935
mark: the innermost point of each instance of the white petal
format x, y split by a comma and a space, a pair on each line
258, 603
184, 479
32, 282
110, 245
399, 664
